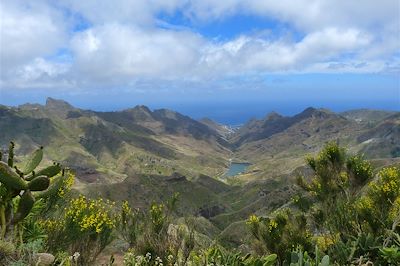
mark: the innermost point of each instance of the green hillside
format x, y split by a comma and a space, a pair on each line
144, 157
107, 147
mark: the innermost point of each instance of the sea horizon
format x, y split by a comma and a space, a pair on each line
231, 113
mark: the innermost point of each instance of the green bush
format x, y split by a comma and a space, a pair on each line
85, 227
279, 233
153, 235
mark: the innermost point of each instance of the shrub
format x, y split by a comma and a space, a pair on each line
279, 233
218, 256
380, 206
363, 218
86, 227
152, 234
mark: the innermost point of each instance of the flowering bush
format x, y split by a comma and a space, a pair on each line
129, 225
380, 206
353, 217
360, 168
325, 241
91, 216
386, 189
335, 174
86, 227
153, 237
62, 187
279, 233
66, 184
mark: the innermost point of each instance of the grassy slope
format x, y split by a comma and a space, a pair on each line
283, 151
138, 153
109, 149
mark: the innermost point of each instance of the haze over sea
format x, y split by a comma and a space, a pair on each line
239, 113
233, 112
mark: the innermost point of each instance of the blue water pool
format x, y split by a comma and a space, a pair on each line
236, 168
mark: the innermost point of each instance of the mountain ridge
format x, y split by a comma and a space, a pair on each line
162, 141
144, 156
115, 141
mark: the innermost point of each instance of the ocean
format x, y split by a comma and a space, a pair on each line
239, 113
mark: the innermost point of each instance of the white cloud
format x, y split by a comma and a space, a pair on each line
40, 68
306, 15
27, 32
330, 42
123, 45
39, 73
246, 54
115, 52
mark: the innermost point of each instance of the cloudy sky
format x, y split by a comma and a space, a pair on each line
106, 54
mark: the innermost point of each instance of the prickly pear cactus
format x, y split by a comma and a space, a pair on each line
26, 184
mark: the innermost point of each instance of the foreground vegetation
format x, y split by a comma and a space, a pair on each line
345, 213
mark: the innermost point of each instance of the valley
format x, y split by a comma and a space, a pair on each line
146, 156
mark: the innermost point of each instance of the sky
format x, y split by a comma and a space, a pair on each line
227, 59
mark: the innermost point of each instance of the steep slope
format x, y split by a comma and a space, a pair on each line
222, 130
29, 130
273, 124
107, 147
142, 190
160, 122
277, 145
203, 148
307, 129
367, 116
259, 129
383, 139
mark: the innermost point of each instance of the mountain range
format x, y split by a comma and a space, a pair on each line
144, 156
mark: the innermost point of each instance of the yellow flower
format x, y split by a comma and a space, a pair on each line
344, 177
395, 209
90, 215
272, 225
67, 184
253, 219
325, 241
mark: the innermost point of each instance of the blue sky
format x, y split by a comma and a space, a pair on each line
223, 59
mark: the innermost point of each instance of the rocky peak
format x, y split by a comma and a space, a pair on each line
313, 112
142, 108
58, 107
272, 116
57, 104
141, 113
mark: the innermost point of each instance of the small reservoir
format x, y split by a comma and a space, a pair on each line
236, 168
